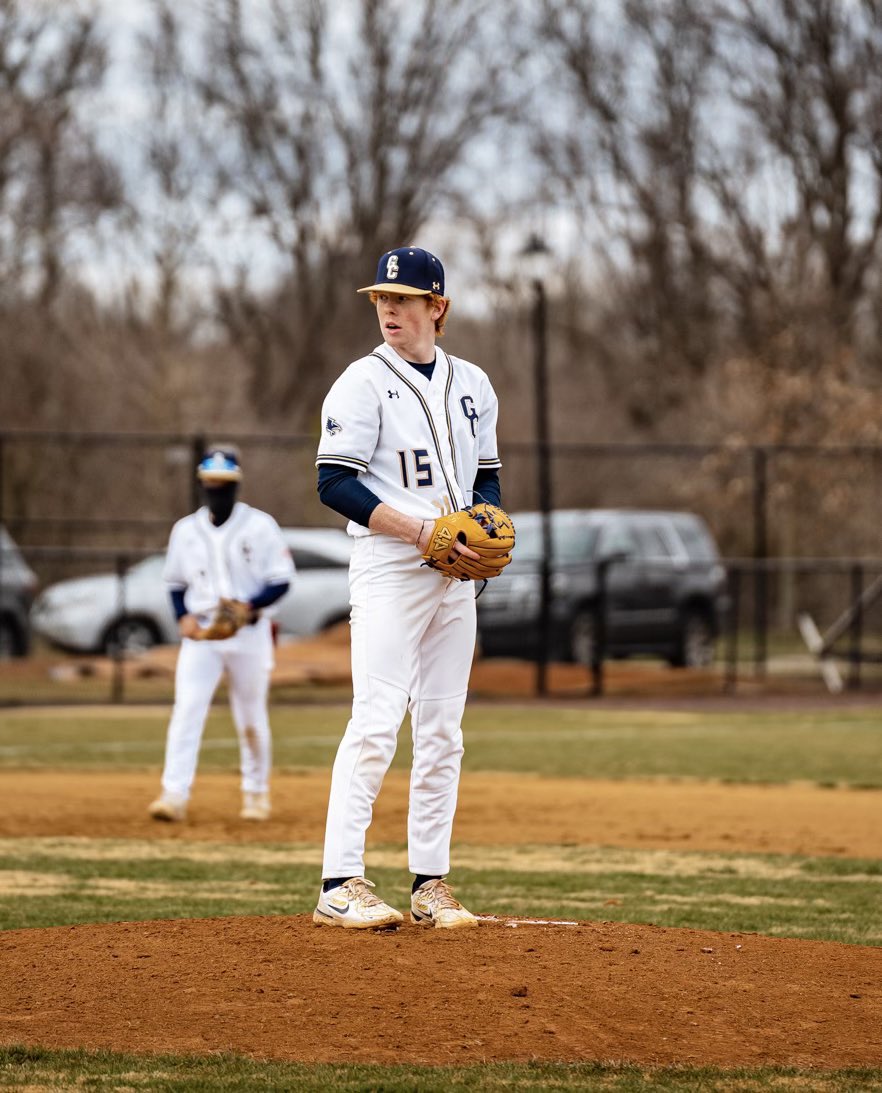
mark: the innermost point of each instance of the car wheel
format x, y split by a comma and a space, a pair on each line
129, 637
9, 646
696, 645
582, 638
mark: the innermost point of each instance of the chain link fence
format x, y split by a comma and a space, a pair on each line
797, 527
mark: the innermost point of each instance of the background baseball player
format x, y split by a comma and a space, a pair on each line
226, 564
408, 435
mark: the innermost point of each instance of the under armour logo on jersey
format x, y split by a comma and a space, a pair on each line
392, 267
246, 551
332, 426
468, 408
394, 394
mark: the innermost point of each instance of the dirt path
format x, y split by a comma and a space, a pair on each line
494, 809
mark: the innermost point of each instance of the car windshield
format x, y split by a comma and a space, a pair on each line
572, 537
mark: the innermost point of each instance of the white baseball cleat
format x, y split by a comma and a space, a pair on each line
255, 806
354, 906
168, 807
432, 904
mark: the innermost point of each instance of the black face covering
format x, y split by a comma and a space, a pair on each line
220, 501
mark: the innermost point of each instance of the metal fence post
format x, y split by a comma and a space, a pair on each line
855, 651
598, 647
760, 553
117, 686
543, 481
197, 446
730, 682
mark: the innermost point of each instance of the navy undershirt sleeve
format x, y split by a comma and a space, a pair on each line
340, 489
269, 594
487, 486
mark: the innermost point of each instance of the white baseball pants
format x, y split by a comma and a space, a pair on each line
413, 639
247, 658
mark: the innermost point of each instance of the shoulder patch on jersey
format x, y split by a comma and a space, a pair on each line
332, 427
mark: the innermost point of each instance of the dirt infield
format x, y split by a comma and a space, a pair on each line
284, 988
494, 809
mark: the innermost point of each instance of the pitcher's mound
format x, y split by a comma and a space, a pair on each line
282, 988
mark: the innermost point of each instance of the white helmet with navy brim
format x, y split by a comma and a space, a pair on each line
219, 466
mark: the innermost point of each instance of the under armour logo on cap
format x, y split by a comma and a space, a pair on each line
408, 271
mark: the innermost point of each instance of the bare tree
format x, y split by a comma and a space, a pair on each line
339, 136
626, 155
52, 176
812, 90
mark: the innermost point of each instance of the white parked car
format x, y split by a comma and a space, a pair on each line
103, 613
18, 585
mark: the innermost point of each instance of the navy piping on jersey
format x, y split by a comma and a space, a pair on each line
428, 414
345, 460
447, 413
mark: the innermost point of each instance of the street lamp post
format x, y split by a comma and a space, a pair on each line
536, 252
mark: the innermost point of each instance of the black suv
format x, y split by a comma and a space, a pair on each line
18, 584
665, 589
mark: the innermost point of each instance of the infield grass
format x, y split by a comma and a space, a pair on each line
52, 881
37, 1070
827, 747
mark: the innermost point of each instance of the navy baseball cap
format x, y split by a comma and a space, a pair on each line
220, 466
408, 271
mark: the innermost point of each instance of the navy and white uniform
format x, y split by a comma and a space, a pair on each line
236, 560
418, 444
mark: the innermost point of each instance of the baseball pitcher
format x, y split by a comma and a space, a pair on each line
408, 454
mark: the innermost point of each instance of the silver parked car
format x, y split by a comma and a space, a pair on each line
103, 613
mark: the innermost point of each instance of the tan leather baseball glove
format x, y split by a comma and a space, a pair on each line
485, 529
229, 617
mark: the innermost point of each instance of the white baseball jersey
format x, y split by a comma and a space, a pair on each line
236, 560
417, 443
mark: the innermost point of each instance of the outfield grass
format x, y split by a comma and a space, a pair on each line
37, 1070
828, 747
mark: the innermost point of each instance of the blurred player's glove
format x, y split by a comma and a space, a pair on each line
229, 617
485, 529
